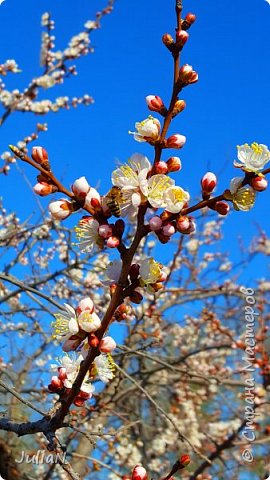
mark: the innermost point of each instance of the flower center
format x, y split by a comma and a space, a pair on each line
257, 149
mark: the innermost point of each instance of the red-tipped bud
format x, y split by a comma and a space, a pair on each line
182, 224
92, 201
168, 41
56, 384
176, 141
174, 164
43, 189
60, 209
155, 223
93, 341
84, 395
62, 373
134, 271
184, 461
155, 103
113, 242
80, 188
259, 184
168, 230
105, 231
107, 345
179, 106
139, 473
222, 208
209, 183
181, 37
161, 167
136, 297
188, 21
39, 155
187, 75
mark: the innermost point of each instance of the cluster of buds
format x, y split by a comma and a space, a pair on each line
58, 385
181, 35
164, 227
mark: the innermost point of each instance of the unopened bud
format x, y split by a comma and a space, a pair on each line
39, 155
163, 238
179, 106
92, 201
56, 384
139, 473
176, 141
43, 189
188, 21
161, 167
187, 75
174, 164
80, 188
93, 341
168, 230
184, 461
60, 209
105, 231
107, 345
259, 184
85, 304
155, 104
181, 37
168, 41
182, 224
155, 223
113, 242
209, 183
222, 208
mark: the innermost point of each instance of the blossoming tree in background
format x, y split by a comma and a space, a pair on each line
168, 399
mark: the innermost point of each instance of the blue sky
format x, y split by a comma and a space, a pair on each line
229, 105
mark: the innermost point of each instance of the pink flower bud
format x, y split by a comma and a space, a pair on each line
107, 345
39, 155
85, 304
168, 230
208, 182
155, 223
154, 103
183, 224
161, 167
92, 200
181, 37
113, 242
80, 187
139, 473
105, 231
43, 189
174, 164
259, 184
56, 383
187, 75
176, 141
60, 209
222, 208
163, 277
62, 373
